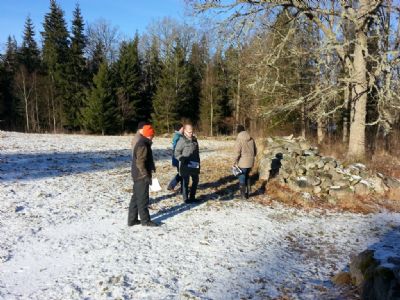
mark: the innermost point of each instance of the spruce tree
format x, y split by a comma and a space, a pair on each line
27, 77
215, 105
95, 61
77, 71
29, 52
151, 75
56, 58
100, 114
129, 85
172, 101
196, 69
11, 107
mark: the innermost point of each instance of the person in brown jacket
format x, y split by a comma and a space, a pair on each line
245, 154
142, 168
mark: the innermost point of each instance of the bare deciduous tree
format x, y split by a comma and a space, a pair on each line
352, 50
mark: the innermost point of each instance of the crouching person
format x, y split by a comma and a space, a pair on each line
142, 167
245, 153
187, 153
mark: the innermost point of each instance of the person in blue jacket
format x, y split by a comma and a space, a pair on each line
175, 163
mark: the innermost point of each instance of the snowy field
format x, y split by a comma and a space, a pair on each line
63, 234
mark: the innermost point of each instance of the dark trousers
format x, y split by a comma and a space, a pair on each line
193, 188
139, 202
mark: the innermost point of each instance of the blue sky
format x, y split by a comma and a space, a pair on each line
128, 15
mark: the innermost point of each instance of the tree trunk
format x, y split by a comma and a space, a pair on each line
237, 112
26, 101
359, 98
320, 131
303, 121
345, 133
211, 113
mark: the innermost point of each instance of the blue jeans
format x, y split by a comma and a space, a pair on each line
244, 177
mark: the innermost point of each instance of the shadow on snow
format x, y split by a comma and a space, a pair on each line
53, 164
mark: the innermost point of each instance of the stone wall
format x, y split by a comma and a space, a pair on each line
295, 163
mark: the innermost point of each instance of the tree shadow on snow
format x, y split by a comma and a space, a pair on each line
18, 166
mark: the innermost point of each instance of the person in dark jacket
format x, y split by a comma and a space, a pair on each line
142, 168
138, 134
175, 163
188, 155
245, 154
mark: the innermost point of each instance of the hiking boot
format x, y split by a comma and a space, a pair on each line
150, 224
133, 223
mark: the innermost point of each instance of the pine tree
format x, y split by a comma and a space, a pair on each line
11, 105
27, 75
100, 114
77, 72
172, 98
29, 51
56, 57
215, 97
95, 61
129, 85
196, 69
151, 75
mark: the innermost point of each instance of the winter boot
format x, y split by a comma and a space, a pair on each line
150, 224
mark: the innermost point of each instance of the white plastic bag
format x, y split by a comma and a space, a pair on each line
155, 185
236, 171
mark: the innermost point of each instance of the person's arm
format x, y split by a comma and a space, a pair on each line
179, 149
255, 148
141, 156
237, 152
198, 150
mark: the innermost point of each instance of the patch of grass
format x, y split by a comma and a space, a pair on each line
358, 204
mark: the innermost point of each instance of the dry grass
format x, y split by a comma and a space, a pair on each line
385, 163
380, 161
218, 181
357, 204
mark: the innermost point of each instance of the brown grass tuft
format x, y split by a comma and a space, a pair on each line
357, 204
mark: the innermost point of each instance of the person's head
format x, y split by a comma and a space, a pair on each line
240, 128
148, 132
188, 130
179, 127
140, 126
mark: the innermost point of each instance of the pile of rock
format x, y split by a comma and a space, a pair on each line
300, 167
376, 271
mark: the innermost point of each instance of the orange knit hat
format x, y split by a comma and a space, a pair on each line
148, 131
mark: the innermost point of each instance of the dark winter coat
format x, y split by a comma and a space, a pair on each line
245, 150
177, 135
187, 152
142, 159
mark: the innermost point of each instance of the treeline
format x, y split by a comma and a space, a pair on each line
329, 71
90, 79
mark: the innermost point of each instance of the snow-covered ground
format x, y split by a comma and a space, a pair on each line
63, 233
